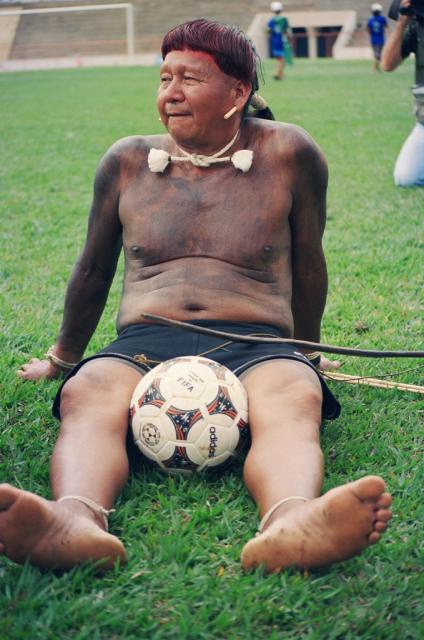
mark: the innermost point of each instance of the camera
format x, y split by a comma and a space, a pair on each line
416, 9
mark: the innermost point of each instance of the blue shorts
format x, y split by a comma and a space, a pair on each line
144, 346
277, 52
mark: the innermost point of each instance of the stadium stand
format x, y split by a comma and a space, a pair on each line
79, 35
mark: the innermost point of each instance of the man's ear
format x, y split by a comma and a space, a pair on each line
242, 92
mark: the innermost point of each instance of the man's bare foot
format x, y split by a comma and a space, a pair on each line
49, 535
332, 528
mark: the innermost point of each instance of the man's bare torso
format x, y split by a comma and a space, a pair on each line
209, 243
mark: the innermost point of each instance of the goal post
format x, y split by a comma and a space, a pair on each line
47, 36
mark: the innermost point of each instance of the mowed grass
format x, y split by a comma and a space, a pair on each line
184, 536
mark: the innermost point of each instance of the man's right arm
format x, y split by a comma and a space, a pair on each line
392, 52
92, 275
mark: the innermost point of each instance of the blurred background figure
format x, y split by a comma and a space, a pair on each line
280, 48
376, 27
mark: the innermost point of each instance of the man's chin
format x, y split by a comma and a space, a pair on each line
178, 129
179, 122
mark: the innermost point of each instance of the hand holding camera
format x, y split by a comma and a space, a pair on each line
406, 8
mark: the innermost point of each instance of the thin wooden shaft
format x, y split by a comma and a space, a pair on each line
303, 344
374, 382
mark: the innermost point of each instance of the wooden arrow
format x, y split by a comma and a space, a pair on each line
372, 382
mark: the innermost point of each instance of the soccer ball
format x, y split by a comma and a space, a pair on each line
189, 414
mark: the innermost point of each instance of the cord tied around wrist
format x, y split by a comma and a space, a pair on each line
63, 365
314, 358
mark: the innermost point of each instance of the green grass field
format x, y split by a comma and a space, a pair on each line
184, 536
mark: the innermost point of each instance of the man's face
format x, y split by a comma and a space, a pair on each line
193, 96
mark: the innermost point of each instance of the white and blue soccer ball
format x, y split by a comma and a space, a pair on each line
189, 414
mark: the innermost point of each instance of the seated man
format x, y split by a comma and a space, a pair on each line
221, 221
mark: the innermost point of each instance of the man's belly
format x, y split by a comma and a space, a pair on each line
205, 288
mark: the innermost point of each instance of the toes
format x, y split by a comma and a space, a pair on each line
373, 537
8, 495
380, 526
385, 500
368, 488
383, 514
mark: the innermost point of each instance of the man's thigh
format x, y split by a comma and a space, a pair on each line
279, 373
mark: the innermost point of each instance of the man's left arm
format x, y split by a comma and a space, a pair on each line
307, 220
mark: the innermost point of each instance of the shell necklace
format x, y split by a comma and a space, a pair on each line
158, 159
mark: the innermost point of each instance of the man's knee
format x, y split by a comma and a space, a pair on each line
286, 409
95, 384
76, 391
299, 394
305, 396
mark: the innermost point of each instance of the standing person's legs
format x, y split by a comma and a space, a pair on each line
376, 57
375, 64
89, 462
279, 66
409, 168
285, 465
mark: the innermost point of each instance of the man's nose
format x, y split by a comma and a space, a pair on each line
173, 91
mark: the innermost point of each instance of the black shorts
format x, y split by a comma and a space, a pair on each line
144, 346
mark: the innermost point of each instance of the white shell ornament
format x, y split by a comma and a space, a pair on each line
158, 160
242, 159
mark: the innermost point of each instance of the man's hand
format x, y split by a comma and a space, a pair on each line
37, 369
327, 365
406, 5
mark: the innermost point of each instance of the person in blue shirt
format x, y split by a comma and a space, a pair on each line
376, 26
278, 27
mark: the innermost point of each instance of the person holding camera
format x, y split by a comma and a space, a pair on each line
408, 37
